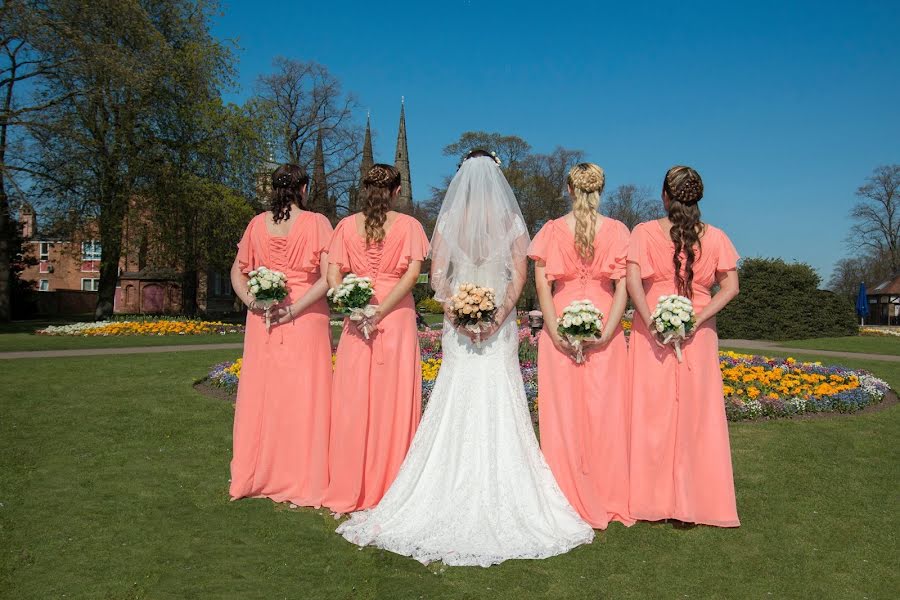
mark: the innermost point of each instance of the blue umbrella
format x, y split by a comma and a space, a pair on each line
862, 302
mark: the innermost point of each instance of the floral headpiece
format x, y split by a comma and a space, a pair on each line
493, 154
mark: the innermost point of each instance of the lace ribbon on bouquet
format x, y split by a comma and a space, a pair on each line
674, 338
363, 319
577, 342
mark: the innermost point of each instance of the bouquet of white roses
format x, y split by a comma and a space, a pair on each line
580, 322
473, 307
673, 320
268, 288
351, 298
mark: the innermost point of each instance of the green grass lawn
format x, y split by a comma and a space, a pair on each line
23, 342
114, 478
855, 343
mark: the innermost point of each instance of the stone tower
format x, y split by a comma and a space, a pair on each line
367, 161
401, 161
318, 193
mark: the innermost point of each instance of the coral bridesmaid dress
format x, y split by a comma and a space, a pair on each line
584, 409
680, 455
377, 391
282, 419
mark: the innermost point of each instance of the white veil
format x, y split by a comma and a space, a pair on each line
480, 236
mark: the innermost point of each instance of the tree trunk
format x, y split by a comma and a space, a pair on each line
112, 217
189, 292
6, 227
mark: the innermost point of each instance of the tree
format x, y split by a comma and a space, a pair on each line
632, 205
112, 60
20, 66
849, 272
298, 101
876, 216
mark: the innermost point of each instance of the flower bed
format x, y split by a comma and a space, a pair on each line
880, 331
754, 386
758, 386
144, 327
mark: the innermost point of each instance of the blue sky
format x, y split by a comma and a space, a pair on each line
783, 107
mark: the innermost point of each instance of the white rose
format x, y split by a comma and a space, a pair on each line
364, 285
567, 321
265, 284
577, 321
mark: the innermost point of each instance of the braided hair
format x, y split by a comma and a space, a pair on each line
288, 181
684, 189
587, 181
378, 186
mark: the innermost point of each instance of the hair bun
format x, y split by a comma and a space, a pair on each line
587, 177
380, 176
690, 191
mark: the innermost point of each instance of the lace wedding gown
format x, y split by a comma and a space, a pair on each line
474, 488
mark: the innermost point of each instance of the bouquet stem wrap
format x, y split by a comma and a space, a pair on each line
577, 342
363, 319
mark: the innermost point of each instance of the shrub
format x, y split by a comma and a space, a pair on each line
781, 301
430, 305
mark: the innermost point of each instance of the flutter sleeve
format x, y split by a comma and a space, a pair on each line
638, 251
728, 255
319, 241
415, 245
545, 247
337, 248
246, 254
615, 260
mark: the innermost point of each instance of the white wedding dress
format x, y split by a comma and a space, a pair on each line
474, 488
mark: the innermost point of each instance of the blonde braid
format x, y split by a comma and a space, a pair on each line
587, 181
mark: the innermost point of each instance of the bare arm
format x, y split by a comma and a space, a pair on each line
545, 297
620, 299
400, 290
635, 286
728, 289
239, 284
334, 277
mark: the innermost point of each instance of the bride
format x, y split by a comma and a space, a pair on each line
474, 488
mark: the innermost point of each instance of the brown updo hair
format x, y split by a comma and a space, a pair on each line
287, 188
587, 181
378, 188
684, 189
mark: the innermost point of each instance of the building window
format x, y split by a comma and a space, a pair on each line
90, 250
90, 285
45, 251
44, 285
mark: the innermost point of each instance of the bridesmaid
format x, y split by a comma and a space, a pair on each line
284, 396
680, 455
584, 407
377, 391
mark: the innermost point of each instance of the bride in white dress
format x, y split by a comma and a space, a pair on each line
474, 488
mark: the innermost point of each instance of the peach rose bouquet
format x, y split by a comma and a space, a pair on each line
473, 308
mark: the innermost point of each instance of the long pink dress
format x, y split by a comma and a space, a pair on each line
282, 416
377, 391
680, 455
584, 409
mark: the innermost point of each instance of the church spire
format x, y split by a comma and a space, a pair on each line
318, 195
367, 158
401, 161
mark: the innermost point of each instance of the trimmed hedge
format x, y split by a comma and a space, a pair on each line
430, 305
781, 301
